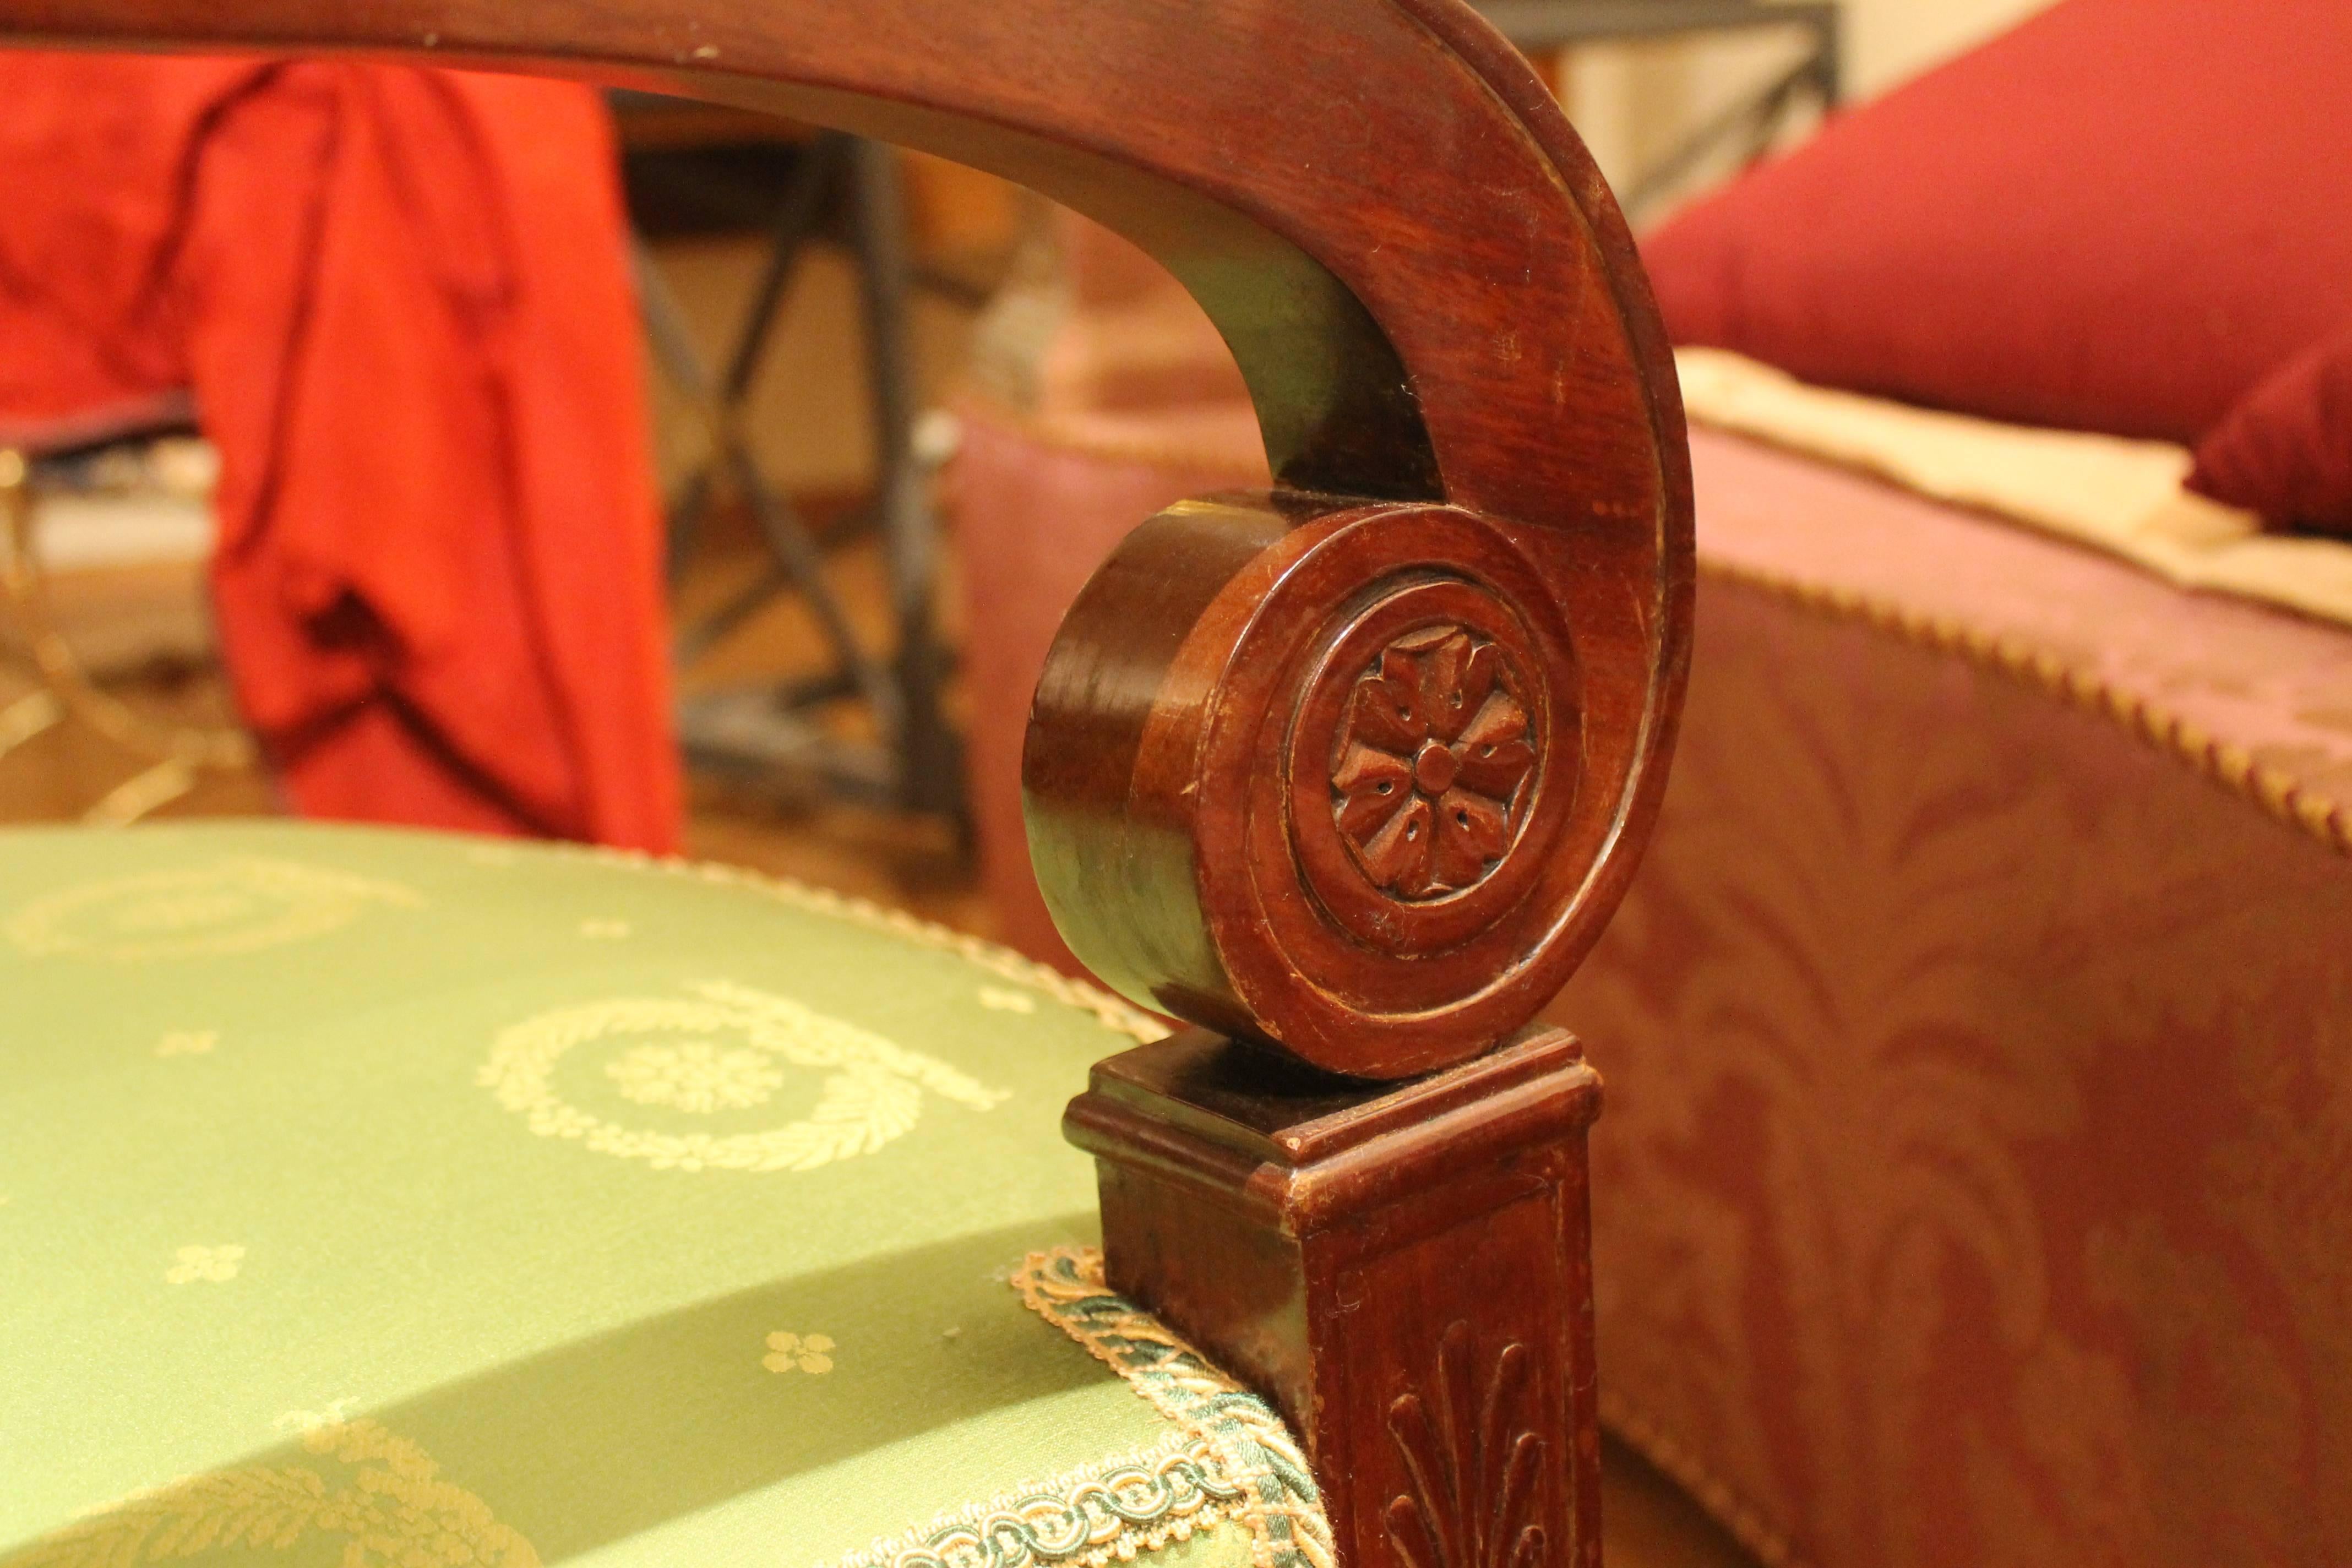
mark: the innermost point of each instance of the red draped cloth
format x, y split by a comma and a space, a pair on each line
402, 300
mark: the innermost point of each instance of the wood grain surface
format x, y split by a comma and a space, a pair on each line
1405, 1268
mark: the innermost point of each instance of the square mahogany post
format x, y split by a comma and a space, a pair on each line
1405, 1268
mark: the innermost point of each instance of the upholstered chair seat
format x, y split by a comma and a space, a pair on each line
378, 1197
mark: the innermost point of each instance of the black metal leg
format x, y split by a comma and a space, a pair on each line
1559, 24
930, 760
769, 730
718, 402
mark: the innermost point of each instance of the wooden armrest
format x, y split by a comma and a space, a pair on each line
1355, 769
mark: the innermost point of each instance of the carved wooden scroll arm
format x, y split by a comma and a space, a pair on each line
1434, 301
1357, 768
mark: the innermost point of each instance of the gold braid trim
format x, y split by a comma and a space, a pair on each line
2283, 797
1003, 962
1230, 1459
1089, 1517
1065, 1287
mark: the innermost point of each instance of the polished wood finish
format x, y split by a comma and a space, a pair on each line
1354, 769
1406, 1269
1210, 730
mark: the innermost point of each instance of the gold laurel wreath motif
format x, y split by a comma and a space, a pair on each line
234, 905
393, 1512
872, 1094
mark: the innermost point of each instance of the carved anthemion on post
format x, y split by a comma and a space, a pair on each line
1475, 1462
1404, 1269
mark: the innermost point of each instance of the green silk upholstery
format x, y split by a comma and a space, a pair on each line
375, 1197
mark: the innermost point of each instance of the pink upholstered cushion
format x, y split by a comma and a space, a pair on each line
1973, 1188
1976, 1186
2265, 685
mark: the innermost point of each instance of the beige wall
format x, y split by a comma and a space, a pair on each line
1634, 102
1889, 41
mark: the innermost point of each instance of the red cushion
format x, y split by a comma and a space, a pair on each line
2116, 217
2285, 450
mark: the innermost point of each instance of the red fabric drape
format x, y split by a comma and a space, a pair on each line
401, 300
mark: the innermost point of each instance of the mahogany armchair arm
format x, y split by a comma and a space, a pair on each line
1357, 767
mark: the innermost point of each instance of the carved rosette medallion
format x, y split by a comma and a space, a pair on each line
1368, 743
1434, 758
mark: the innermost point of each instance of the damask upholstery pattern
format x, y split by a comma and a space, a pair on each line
1974, 1184
1976, 1181
395, 1199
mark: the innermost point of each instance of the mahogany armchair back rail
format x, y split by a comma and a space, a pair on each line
1350, 773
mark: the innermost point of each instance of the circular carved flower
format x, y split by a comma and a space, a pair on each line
1434, 752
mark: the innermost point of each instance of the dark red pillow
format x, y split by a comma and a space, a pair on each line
2285, 450
2118, 217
